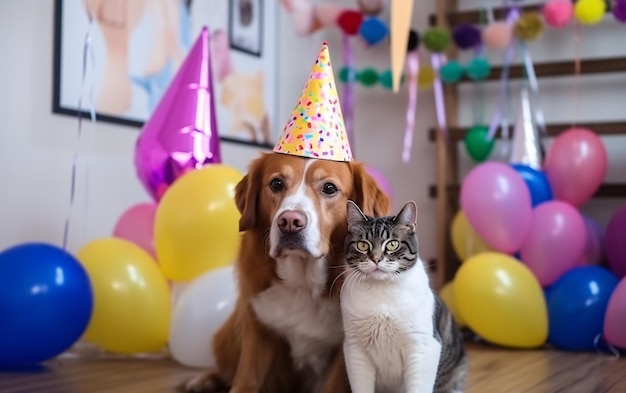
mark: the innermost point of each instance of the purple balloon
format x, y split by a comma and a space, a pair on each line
555, 241
181, 135
497, 204
614, 244
594, 245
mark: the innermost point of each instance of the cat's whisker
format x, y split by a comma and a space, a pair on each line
335, 281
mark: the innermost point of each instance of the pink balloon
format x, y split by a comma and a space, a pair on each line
181, 133
381, 180
555, 241
593, 253
136, 225
615, 316
576, 164
497, 204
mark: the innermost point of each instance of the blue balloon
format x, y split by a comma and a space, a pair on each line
373, 30
537, 182
46, 302
577, 303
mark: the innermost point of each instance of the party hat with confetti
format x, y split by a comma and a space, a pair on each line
316, 128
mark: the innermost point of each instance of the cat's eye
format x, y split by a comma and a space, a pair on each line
329, 189
392, 245
277, 184
362, 246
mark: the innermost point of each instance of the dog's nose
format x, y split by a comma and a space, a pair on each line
292, 221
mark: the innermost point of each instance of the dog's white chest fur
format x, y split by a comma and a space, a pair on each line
295, 307
390, 344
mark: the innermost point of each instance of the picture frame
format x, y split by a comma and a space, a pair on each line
245, 27
124, 86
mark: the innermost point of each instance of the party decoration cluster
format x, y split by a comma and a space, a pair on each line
116, 292
534, 266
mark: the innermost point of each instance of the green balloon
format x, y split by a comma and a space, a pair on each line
476, 143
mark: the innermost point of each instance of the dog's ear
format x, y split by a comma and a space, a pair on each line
246, 197
367, 194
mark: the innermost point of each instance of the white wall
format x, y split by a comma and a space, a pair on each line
36, 146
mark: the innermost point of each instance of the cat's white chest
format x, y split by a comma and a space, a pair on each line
296, 309
390, 322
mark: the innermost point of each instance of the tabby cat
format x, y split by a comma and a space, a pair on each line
399, 335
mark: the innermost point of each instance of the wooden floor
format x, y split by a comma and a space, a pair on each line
492, 370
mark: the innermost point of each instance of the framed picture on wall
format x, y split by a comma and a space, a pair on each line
245, 28
136, 48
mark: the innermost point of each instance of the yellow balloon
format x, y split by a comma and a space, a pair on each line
500, 299
447, 296
465, 241
132, 307
196, 227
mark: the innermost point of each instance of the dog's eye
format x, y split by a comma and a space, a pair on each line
277, 184
392, 245
362, 246
329, 189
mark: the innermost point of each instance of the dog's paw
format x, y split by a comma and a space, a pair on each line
205, 383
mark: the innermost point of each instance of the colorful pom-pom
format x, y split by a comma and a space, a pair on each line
414, 41
386, 79
345, 73
529, 26
426, 77
478, 69
589, 12
368, 77
558, 13
619, 11
451, 72
373, 30
349, 21
436, 39
497, 35
466, 36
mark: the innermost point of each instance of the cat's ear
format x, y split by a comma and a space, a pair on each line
407, 215
355, 215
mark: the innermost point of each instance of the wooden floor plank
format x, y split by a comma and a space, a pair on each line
492, 370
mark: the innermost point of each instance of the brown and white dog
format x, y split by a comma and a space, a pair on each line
285, 333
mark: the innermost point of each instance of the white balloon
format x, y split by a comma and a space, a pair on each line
199, 311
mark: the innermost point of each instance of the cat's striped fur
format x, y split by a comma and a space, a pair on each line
399, 335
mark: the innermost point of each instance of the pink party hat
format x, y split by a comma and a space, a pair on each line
315, 128
181, 135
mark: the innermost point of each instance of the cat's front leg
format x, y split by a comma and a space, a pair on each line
361, 371
420, 371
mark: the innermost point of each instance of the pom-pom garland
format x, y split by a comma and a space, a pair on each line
558, 13
590, 12
478, 69
528, 27
436, 39
414, 41
619, 11
349, 21
369, 77
373, 31
451, 72
466, 36
497, 35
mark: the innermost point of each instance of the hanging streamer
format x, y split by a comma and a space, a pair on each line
347, 93
87, 54
577, 69
437, 60
411, 110
498, 118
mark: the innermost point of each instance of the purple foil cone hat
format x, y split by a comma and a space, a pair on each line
181, 135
